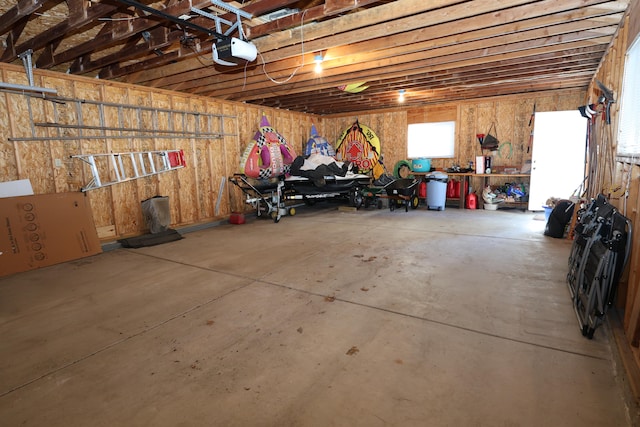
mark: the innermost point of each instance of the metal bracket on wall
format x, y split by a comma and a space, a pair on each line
26, 60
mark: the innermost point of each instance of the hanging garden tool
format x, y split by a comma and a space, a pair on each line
531, 119
606, 99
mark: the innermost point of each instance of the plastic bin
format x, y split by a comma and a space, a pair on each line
421, 165
436, 190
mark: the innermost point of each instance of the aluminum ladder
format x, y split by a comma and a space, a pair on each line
114, 168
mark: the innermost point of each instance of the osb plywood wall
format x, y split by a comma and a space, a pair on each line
511, 116
105, 117
619, 180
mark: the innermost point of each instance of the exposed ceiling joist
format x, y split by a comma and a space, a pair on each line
435, 51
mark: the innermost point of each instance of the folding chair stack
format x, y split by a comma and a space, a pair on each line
598, 256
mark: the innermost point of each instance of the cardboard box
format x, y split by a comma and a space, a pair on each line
46, 229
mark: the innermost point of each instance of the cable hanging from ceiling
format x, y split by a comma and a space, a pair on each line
180, 21
264, 69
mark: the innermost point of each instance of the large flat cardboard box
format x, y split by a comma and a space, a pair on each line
41, 230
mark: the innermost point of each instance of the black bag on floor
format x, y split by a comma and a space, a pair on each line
559, 218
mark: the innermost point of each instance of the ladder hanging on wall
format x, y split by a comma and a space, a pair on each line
114, 168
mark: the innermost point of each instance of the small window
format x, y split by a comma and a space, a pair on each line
629, 125
431, 140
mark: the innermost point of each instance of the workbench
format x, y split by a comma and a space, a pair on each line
465, 183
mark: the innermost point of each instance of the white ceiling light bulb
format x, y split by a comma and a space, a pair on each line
401, 95
318, 60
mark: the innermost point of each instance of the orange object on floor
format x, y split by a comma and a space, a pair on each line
472, 201
237, 218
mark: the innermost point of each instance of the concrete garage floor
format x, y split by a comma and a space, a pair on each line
329, 318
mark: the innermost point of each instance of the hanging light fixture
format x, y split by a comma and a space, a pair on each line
401, 95
318, 60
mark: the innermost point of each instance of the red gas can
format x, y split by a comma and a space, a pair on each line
236, 218
456, 189
472, 201
451, 189
422, 190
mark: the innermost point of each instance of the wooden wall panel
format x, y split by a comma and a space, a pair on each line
222, 155
302, 132
165, 181
198, 193
58, 156
20, 127
511, 115
195, 192
202, 173
184, 190
229, 153
8, 157
620, 182
102, 204
125, 195
633, 27
468, 130
505, 122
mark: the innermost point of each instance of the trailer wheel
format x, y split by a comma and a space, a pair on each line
292, 211
415, 201
275, 217
357, 199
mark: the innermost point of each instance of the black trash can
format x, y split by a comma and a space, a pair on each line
559, 219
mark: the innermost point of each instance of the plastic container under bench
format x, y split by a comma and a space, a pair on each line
436, 190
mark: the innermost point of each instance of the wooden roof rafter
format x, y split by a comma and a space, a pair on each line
442, 46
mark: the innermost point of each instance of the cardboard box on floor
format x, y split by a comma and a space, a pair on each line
41, 230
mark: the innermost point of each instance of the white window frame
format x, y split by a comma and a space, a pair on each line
435, 140
628, 149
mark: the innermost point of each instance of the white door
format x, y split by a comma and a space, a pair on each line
558, 157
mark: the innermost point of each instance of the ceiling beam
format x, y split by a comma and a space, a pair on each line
477, 50
432, 30
350, 55
420, 66
281, 40
23, 9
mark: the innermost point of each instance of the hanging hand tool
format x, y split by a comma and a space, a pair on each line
531, 119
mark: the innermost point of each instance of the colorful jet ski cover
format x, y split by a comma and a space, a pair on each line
318, 145
267, 155
360, 145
